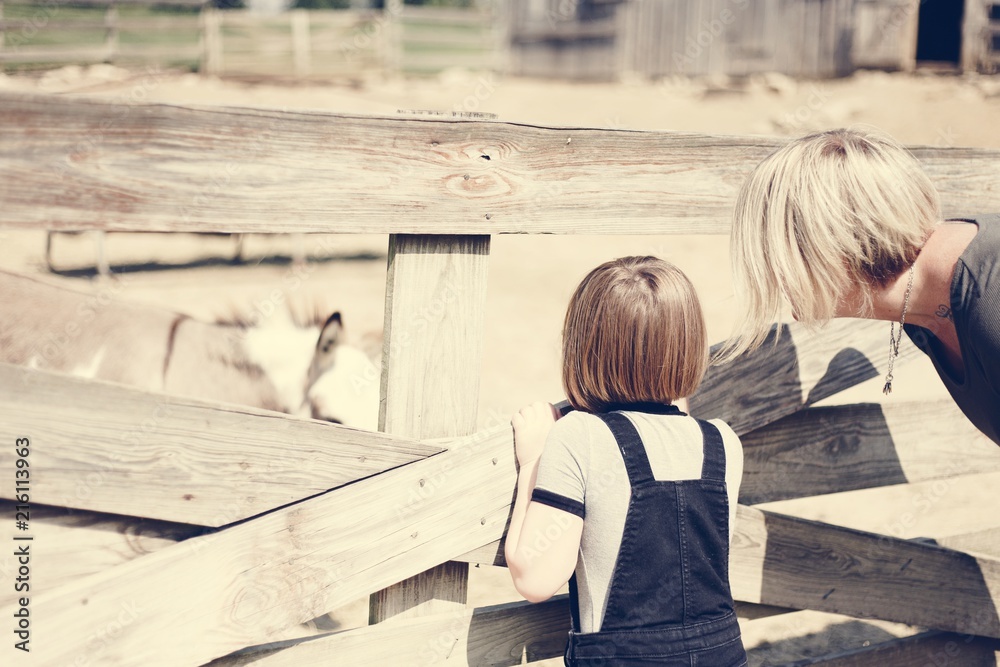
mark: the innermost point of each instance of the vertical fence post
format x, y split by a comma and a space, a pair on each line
976, 36
3, 31
211, 40
500, 14
432, 353
625, 39
393, 36
301, 47
111, 32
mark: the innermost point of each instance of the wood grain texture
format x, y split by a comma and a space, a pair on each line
435, 302
791, 562
930, 509
986, 542
843, 448
110, 448
71, 163
794, 563
250, 581
801, 368
927, 649
432, 350
885, 35
498, 636
245, 585
78, 544
976, 37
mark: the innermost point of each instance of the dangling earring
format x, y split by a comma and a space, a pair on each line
896, 338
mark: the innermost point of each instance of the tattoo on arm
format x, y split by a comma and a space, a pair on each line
943, 311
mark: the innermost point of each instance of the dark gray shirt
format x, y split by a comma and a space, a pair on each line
975, 308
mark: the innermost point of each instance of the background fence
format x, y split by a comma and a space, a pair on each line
299, 43
188, 531
577, 39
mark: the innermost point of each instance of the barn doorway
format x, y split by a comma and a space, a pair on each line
939, 31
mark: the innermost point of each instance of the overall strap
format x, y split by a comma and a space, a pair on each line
714, 465
630, 444
574, 604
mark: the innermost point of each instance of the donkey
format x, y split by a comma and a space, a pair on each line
280, 362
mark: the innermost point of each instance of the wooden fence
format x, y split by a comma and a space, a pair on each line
95, 31
804, 38
297, 43
175, 532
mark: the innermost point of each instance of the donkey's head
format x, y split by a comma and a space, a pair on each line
342, 384
314, 371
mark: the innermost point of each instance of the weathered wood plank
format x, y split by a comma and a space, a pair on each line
78, 544
250, 581
791, 562
497, 636
800, 564
985, 542
926, 649
103, 3
930, 509
434, 313
72, 163
801, 368
59, 55
110, 448
502, 634
843, 448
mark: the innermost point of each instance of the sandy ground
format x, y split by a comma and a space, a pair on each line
531, 277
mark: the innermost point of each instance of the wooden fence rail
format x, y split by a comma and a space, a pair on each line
162, 168
342, 514
299, 43
325, 553
177, 459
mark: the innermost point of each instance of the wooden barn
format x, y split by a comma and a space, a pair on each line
602, 39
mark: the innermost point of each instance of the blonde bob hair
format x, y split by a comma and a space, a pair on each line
634, 333
826, 218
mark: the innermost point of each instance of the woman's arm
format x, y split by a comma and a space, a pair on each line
542, 541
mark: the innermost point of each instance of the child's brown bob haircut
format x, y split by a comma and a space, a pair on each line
634, 333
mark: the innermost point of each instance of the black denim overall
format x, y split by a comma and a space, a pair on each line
669, 602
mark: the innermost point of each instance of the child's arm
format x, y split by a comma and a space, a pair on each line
542, 541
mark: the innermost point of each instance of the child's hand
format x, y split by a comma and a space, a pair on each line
532, 424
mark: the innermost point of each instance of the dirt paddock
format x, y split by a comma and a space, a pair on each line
531, 277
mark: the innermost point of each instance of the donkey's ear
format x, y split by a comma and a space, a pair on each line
330, 334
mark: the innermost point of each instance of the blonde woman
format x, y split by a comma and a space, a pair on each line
846, 224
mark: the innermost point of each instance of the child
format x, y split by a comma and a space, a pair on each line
632, 500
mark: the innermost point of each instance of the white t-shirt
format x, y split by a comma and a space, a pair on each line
582, 465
